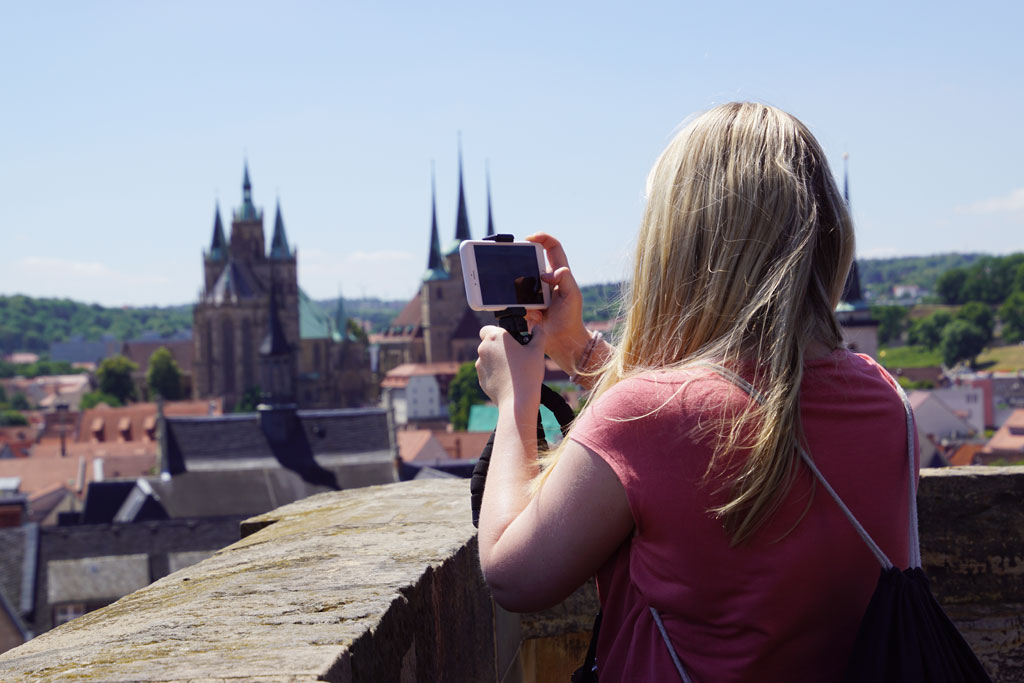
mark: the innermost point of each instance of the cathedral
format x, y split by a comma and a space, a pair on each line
258, 336
437, 325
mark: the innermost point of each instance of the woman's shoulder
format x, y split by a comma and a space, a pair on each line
668, 390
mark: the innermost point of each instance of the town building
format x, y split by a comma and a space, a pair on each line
243, 284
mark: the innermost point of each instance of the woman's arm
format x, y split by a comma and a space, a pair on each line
535, 551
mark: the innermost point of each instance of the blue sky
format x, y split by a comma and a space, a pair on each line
124, 122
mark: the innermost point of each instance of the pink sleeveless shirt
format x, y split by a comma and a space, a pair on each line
786, 606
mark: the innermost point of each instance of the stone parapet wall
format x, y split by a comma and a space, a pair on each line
383, 584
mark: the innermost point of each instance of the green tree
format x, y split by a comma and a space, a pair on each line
355, 331
114, 377
1011, 314
94, 398
927, 331
12, 418
464, 391
979, 314
961, 340
250, 399
20, 402
163, 377
950, 285
892, 320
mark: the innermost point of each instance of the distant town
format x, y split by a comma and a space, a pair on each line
171, 425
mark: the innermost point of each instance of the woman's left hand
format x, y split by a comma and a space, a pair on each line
509, 371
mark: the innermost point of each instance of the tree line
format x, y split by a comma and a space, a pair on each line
988, 291
31, 324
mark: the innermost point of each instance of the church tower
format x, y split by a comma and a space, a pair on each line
240, 283
443, 295
860, 329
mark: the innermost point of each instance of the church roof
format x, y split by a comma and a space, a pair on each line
468, 326
219, 244
279, 243
235, 282
490, 218
435, 263
314, 322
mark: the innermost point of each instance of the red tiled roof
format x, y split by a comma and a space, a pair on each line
1009, 438
965, 455
40, 473
463, 445
135, 422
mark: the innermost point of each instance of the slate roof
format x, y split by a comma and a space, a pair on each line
96, 578
468, 326
239, 436
17, 567
235, 282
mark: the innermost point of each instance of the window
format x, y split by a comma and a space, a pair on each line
65, 613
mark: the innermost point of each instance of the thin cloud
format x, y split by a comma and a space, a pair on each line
66, 266
1009, 203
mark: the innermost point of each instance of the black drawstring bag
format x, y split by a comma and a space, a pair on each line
904, 635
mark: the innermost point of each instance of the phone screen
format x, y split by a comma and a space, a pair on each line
508, 275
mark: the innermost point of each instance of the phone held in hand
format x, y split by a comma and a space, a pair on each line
500, 275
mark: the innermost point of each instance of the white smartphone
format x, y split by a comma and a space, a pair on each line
500, 275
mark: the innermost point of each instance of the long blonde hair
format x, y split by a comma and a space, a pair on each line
742, 256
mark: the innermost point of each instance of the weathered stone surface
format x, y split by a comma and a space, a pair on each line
338, 587
972, 549
383, 584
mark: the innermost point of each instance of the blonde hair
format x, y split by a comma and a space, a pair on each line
741, 259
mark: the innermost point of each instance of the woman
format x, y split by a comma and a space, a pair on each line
676, 487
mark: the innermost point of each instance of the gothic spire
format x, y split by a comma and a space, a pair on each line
846, 179
219, 245
274, 343
851, 290
247, 212
279, 244
462, 219
490, 218
435, 263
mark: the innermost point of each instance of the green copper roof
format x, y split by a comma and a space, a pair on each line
314, 322
435, 274
484, 418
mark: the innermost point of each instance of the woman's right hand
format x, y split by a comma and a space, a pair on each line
566, 336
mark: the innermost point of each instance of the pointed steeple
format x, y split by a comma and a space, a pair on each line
435, 263
462, 219
846, 179
219, 244
279, 243
490, 218
852, 294
247, 212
